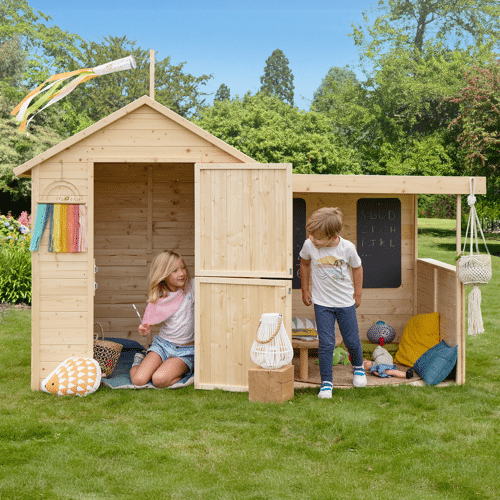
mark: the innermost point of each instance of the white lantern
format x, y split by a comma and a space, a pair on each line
272, 348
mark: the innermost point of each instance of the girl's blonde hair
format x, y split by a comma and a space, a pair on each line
162, 266
326, 221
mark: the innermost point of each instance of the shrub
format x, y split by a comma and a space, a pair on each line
437, 206
14, 230
15, 273
15, 259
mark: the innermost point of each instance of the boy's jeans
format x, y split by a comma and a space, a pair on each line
348, 326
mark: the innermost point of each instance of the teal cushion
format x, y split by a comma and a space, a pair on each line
436, 363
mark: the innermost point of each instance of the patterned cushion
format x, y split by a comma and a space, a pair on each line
437, 363
73, 377
304, 327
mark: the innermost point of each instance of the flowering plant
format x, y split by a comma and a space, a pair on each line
15, 259
15, 231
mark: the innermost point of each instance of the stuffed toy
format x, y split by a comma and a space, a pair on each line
381, 333
73, 377
339, 356
382, 356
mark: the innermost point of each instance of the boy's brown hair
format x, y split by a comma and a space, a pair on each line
326, 221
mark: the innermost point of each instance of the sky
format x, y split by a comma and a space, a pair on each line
230, 40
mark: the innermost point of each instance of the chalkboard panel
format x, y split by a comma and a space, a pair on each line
299, 236
379, 241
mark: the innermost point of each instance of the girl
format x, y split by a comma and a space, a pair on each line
171, 301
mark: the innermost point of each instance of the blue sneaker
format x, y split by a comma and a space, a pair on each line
359, 378
325, 391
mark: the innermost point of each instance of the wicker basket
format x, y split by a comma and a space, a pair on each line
106, 353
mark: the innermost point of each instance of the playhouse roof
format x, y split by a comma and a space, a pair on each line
25, 168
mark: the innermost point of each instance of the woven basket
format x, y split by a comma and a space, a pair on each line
474, 269
106, 353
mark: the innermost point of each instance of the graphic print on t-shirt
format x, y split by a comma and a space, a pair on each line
330, 267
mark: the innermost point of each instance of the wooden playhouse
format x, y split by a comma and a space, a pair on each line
152, 180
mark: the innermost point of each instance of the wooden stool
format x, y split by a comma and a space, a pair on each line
269, 386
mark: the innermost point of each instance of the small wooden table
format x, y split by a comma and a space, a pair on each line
304, 346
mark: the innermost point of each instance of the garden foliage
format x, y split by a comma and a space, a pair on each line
15, 259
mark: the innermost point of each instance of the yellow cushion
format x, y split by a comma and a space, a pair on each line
420, 334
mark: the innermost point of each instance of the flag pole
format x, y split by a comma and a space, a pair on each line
152, 74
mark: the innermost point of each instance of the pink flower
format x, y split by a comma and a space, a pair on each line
25, 219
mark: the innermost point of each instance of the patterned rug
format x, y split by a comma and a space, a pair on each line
120, 378
342, 375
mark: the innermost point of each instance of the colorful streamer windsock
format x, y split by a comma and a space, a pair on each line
57, 87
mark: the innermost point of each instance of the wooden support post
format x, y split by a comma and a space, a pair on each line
460, 377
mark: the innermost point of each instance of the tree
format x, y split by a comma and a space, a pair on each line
478, 125
412, 24
278, 78
345, 103
332, 84
101, 96
479, 118
223, 93
413, 55
270, 131
48, 48
16, 148
12, 61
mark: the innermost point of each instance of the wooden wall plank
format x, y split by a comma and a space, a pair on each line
266, 198
438, 290
228, 314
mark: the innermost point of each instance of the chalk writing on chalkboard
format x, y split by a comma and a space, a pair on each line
299, 236
379, 241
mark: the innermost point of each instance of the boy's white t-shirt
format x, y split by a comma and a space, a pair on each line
332, 284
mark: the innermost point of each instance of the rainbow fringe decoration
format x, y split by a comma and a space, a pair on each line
55, 88
67, 227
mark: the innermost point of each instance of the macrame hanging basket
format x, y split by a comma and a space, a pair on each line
474, 268
272, 348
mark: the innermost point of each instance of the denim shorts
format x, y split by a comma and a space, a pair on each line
166, 349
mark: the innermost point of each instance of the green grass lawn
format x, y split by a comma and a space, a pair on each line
388, 442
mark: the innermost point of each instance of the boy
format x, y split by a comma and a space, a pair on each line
337, 282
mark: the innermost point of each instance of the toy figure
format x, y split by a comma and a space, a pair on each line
383, 365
